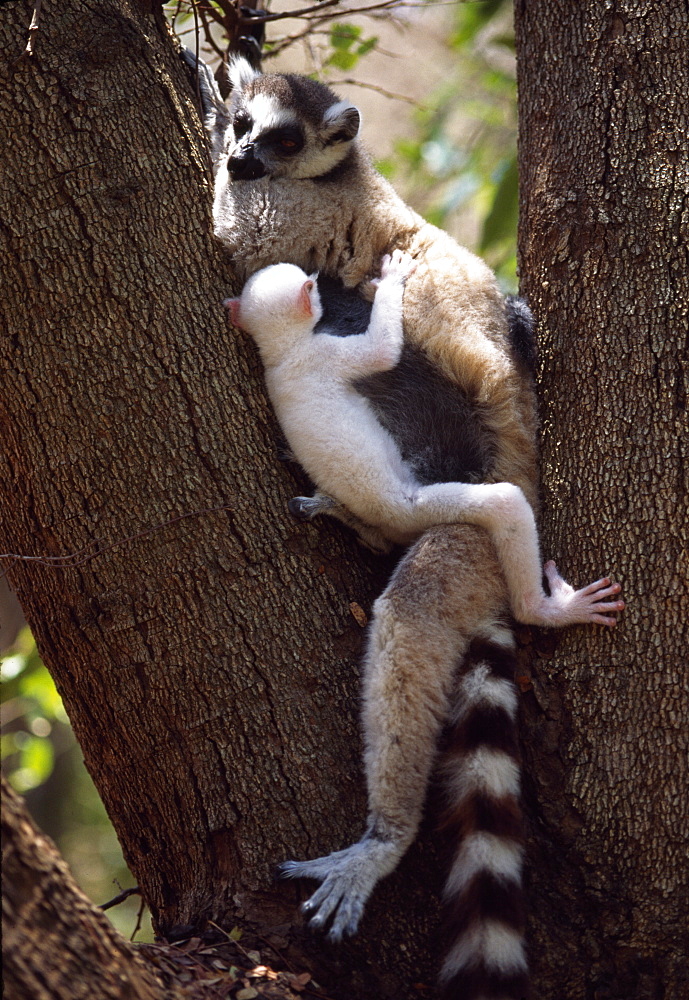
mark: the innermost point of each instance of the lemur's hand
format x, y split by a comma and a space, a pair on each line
399, 265
588, 606
395, 267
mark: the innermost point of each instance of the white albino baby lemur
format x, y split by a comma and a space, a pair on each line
293, 184
335, 436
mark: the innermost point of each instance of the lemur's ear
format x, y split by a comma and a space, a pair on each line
341, 122
241, 72
232, 306
304, 303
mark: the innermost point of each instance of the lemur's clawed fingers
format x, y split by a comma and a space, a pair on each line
400, 264
323, 903
602, 620
348, 878
565, 606
306, 508
339, 896
603, 588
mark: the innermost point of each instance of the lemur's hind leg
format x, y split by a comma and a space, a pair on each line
306, 508
422, 625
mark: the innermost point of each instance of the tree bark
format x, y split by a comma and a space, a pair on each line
604, 163
209, 663
56, 945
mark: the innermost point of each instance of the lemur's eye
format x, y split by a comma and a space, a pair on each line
285, 141
241, 124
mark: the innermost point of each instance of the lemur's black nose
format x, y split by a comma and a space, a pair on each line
245, 168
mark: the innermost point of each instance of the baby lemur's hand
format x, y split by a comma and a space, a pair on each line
398, 266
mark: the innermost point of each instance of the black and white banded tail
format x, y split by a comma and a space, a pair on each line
483, 893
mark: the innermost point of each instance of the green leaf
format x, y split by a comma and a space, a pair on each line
367, 45
35, 765
343, 60
501, 221
343, 35
471, 17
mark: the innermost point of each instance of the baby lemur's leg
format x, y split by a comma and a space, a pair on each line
503, 510
306, 508
422, 626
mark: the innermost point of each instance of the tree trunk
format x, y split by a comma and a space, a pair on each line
209, 663
56, 945
604, 163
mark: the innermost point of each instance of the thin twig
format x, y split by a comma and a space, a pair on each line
83, 555
317, 8
230, 938
138, 919
315, 993
196, 37
120, 898
210, 41
379, 90
279, 954
280, 16
175, 15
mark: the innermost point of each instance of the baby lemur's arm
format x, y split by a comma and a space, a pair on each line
379, 348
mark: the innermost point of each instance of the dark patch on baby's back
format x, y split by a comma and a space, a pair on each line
435, 426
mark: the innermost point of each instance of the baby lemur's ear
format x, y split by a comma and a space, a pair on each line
304, 303
232, 306
341, 123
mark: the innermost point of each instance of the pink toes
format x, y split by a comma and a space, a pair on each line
586, 606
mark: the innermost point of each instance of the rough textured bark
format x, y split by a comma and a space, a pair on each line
604, 162
56, 945
209, 666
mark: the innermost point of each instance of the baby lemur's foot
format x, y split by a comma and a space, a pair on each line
286, 455
348, 878
306, 508
567, 606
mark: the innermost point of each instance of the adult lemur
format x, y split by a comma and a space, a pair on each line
293, 184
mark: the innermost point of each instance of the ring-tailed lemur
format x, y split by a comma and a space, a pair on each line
335, 436
293, 184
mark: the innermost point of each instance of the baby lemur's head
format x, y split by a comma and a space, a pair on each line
282, 125
279, 306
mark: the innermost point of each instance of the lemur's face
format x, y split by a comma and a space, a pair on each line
285, 126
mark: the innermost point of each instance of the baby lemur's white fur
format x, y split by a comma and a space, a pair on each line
293, 184
336, 437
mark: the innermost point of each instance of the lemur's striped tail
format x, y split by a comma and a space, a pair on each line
483, 892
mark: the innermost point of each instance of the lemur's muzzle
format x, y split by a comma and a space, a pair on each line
243, 165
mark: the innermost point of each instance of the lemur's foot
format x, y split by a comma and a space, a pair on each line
348, 878
567, 606
372, 539
286, 455
306, 508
